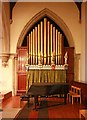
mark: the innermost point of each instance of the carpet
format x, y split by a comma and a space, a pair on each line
9, 113
29, 112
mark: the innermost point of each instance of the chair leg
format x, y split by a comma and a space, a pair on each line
20, 103
72, 99
80, 100
68, 96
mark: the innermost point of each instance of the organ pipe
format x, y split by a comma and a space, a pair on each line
41, 38
48, 28
36, 50
51, 37
28, 47
38, 41
45, 40
31, 47
60, 48
56, 46
45, 21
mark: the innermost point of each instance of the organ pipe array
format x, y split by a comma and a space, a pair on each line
45, 44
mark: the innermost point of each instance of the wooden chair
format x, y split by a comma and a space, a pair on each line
83, 112
75, 92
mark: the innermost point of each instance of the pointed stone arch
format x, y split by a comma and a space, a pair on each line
52, 16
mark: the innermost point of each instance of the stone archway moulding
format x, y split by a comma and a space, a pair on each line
52, 16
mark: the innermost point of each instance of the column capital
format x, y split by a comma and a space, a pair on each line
5, 58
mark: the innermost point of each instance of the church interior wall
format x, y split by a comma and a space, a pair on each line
83, 45
86, 40
5, 28
22, 13
6, 77
5, 72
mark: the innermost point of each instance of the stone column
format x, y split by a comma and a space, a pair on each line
83, 71
16, 82
14, 73
4, 32
1, 99
77, 62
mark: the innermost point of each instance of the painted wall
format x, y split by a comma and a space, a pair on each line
23, 12
5, 27
6, 77
86, 41
84, 44
0, 27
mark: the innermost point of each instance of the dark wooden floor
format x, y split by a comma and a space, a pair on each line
58, 111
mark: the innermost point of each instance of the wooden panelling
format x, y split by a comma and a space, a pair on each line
70, 61
83, 87
7, 95
69, 77
22, 59
21, 81
21, 71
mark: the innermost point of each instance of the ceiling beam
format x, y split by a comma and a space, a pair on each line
78, 5
12, 4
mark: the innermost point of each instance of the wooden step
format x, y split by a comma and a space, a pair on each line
20, 92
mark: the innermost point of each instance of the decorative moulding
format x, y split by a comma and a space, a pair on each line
5, 58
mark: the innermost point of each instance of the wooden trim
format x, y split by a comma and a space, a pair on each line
83, 87
7, 95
